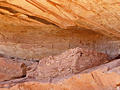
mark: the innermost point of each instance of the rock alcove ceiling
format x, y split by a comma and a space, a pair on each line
80, 34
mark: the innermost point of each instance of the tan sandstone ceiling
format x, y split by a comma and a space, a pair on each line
99, 15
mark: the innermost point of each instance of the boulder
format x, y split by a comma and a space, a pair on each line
10, 69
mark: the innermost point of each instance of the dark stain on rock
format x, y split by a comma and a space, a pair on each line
9, 9
41, 20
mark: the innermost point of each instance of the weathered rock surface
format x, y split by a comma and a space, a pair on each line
100, 16
33, 29
108, 67
96, 80
72, 61
25, 28
10, 69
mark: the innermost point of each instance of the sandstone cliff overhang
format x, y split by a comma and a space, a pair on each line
42, 27
97, 15
34, 33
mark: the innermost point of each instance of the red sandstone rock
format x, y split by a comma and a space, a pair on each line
10, 69
48, 20
112, 66
96, 80
72, 61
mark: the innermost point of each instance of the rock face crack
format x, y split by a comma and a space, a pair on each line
41, 20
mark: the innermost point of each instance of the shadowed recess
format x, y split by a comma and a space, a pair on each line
41, 20
2, 13
9, 9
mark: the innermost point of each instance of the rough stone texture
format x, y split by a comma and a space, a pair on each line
96, 80
10, 69
33, 29
112, 66
72, 61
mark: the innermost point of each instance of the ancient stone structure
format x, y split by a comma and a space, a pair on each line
33, 32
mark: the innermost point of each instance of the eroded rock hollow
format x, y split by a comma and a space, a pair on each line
67, 44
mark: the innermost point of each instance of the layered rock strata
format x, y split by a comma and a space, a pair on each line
32, 30
24, 27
